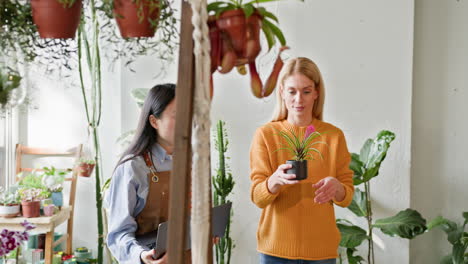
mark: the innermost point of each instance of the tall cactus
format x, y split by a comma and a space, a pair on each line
222, 187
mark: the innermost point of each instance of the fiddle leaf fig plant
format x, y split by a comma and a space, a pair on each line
407, 223
457, 236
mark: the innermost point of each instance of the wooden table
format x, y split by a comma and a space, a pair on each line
44, 224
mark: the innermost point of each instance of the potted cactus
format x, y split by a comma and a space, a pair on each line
9, 203
53, 180
31, 201
235, 40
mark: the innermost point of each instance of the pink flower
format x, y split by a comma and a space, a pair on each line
310, 129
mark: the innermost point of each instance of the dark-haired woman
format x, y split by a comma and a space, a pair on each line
137, 200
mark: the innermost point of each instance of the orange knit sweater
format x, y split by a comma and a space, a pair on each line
292, 225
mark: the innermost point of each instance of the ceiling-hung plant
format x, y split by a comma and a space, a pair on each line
407, 223
56, 19
10, 82
130, 46
235, 40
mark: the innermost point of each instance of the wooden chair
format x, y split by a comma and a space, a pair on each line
47, 224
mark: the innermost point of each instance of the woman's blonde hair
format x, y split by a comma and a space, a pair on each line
309, 69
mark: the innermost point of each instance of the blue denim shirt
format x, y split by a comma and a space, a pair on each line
125, 199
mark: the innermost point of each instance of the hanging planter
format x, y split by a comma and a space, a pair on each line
85, 168
56, 19
137, 18
235, 41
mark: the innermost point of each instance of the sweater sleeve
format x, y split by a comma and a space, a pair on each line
260, 171
343, 173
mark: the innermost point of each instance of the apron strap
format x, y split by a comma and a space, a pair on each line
150, 165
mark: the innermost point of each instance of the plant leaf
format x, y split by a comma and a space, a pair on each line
268, 35
276, 31
139, 94
377, 153
351, 235
406, 224
458, 253
445, 224
357, 166
358, 205
353, 259
249, 9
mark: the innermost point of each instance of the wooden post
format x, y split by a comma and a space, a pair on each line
181, 172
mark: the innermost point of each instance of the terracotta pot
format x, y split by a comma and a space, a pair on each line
299, 167
31, 209
215, 43
8, 211
128, 21
85, 169
53, 20
233, 22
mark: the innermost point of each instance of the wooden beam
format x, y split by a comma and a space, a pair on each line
180, 179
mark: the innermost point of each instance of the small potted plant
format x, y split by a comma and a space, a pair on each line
83, 254
31, 201
53, 180
9, 203
301, 147
235, 40
85, 167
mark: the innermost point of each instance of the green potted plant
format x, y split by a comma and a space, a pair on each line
58, 19
235, 40
85, 167
301, 147
53, 180
457, 236
9, 81
83, 254
31, 201
9, 203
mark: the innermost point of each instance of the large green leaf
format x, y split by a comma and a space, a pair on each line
358, 205
351, 235
373, 154
445, 224
352, 259
357, 166
406, 224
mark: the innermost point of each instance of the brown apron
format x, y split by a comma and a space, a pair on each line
156, 209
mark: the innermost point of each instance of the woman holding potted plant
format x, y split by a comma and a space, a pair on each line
298, 219
137, 199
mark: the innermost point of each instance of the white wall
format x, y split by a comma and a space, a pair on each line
365, 52
440, 148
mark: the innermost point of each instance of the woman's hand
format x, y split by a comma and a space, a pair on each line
280, 178
147, 258
327, 189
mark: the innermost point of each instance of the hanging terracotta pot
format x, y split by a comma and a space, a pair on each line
85, 169
233, 22
133, 17
54, 20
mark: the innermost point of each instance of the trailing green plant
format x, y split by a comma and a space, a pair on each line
405, 224
223, 183
9, 81
163, 45
19, 37
457, 237
271, 31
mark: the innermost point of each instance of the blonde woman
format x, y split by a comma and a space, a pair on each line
297, 224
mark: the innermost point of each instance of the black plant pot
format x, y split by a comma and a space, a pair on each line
299, 167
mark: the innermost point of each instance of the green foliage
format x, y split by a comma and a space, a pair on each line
405, 224
269, 20
301, 146
457, 237
223, 183
9, 80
